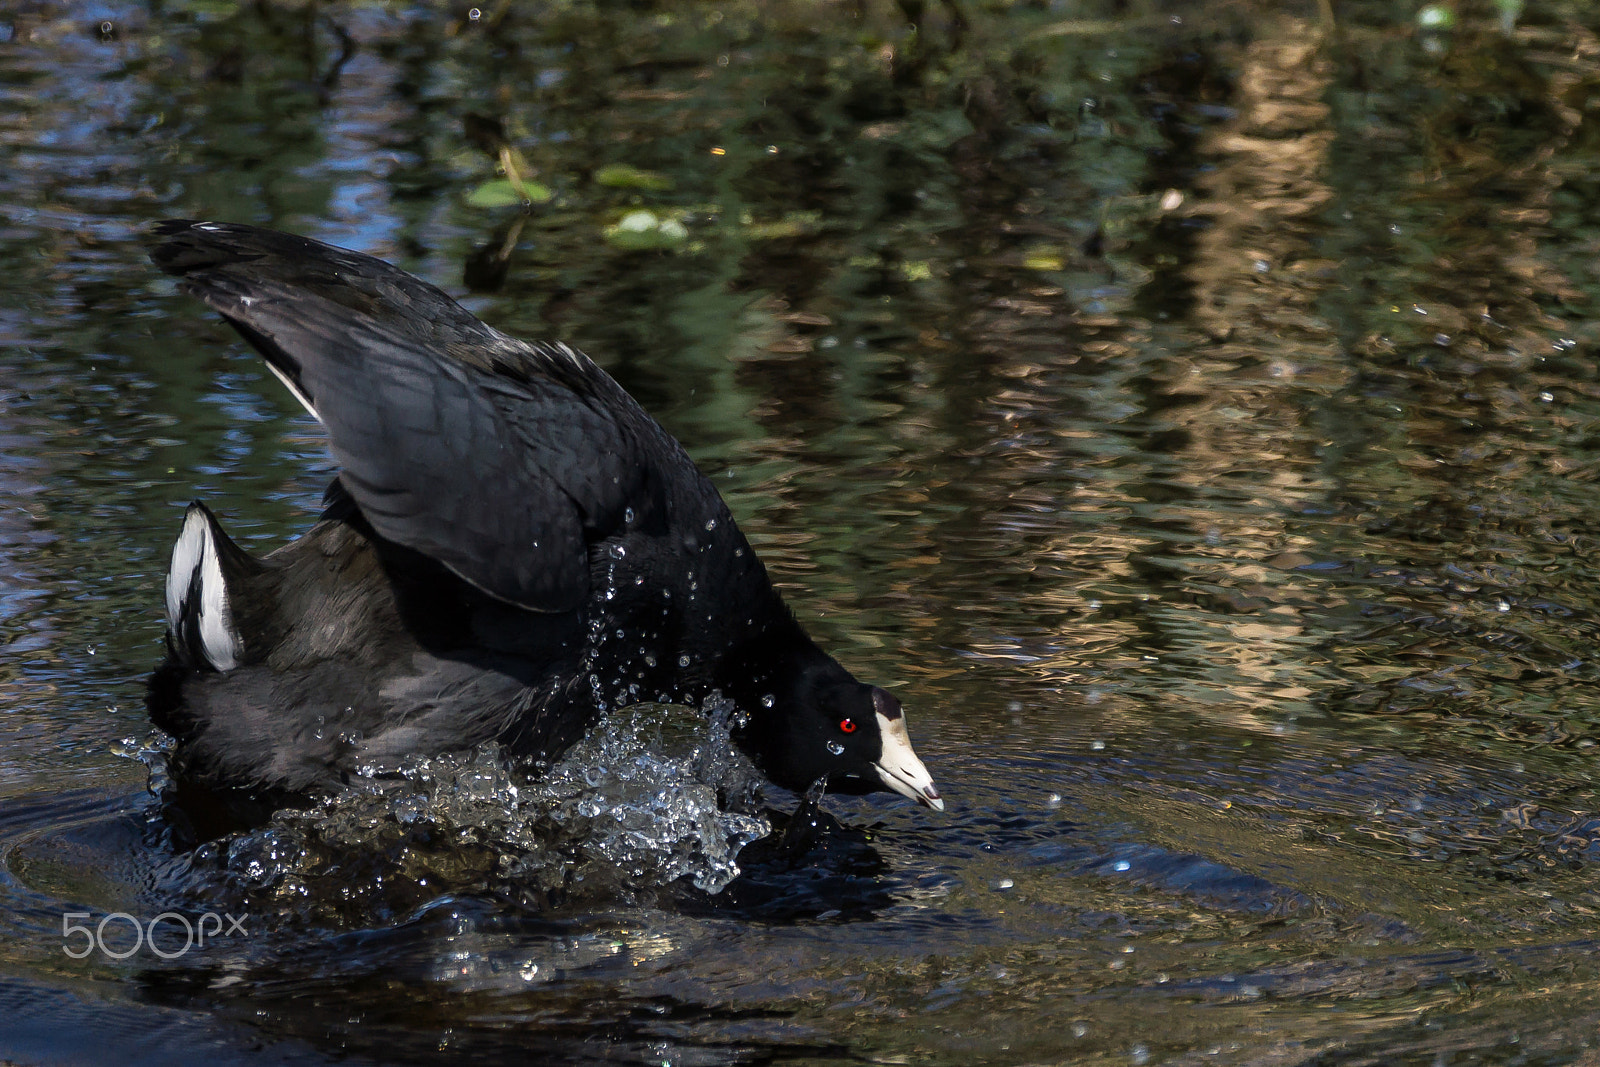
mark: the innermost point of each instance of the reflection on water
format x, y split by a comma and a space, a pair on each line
1192, 406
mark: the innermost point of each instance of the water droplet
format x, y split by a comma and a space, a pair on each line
1080, 1030
767, 701
617, 551
627, 515
711, 524
1098, 746
1121, 865
683, 660
1004, 883
836, 747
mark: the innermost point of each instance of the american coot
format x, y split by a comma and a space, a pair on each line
511, 546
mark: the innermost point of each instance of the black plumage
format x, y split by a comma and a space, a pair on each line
512, 545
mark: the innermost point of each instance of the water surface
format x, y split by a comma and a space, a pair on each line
1188, 410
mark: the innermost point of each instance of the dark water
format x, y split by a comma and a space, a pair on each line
1189, 409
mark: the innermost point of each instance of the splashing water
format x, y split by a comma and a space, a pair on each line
631, 809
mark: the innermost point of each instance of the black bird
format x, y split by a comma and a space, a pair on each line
511, 546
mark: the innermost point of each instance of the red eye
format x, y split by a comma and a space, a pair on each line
847, 725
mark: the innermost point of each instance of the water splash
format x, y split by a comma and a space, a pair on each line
654, 795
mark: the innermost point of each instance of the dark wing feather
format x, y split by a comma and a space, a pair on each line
499, 459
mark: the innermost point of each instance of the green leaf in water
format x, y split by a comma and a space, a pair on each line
622, 176
502, 193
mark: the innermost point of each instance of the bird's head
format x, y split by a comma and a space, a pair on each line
828, 725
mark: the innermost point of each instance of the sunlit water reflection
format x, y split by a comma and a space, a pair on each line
1190, 413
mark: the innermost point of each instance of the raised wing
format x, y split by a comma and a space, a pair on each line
501, 460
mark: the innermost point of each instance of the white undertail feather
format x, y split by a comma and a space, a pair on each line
293, 388
195, 582
185, 557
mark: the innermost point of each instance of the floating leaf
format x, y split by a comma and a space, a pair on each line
502, 193
622, 176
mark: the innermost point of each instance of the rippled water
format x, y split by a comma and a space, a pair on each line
1189, 410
